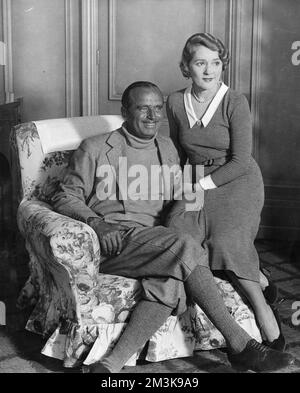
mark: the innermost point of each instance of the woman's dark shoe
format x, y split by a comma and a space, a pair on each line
278, 344
259, 358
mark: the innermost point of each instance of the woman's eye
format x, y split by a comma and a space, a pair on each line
200, 64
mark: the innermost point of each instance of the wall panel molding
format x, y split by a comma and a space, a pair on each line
113, 95
209, 16
90, 53
7, 36
235, 43
256, 73
70, 60
281, 212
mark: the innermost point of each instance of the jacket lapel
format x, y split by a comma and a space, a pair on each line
116, 155
170, 164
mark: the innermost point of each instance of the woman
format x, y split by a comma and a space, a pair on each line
210, 125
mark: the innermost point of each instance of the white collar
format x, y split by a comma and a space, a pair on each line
206, 118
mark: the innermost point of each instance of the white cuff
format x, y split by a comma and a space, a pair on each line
206, 183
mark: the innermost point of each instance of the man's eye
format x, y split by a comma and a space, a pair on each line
200, 63
143, 108
159, 108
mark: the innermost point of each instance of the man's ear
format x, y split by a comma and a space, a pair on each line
124, 113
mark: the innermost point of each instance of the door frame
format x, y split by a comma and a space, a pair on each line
90, 56
7, 38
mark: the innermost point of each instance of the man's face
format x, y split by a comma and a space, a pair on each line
145, 112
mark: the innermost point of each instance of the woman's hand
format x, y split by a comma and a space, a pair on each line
109, 235
187, 190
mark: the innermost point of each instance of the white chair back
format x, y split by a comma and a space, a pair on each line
43, 150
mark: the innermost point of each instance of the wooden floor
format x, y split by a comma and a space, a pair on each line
20, 350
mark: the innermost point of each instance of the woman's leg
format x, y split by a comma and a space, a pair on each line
263, 281
263, 312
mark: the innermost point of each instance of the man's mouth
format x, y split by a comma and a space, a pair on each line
208, 79
150, 124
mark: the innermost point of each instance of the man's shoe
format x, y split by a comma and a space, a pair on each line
259, 358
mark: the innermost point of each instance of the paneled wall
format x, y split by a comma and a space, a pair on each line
277, 115
38, 34
2, 93
143, 39
46, 56
135, 47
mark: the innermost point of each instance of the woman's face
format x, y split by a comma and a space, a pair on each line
205, 68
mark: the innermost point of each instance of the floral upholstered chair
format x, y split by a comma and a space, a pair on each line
80, 311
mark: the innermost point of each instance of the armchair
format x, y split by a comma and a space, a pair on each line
80, 311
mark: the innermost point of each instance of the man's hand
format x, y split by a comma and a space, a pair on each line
109, 236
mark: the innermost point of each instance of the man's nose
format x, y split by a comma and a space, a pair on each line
151, 113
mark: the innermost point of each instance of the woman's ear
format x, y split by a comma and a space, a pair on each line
187, 73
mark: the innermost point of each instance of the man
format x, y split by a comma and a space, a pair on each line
127, 220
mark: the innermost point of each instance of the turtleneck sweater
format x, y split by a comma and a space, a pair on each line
144, 184
138, 143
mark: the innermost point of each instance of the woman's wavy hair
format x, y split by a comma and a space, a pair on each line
207, 40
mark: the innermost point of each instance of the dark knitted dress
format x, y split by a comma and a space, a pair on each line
228, 223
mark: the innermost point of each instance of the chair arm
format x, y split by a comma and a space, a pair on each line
72, 243
64, 260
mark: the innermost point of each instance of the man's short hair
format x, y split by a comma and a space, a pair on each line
126, 94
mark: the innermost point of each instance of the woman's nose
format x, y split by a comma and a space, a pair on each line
208, 69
